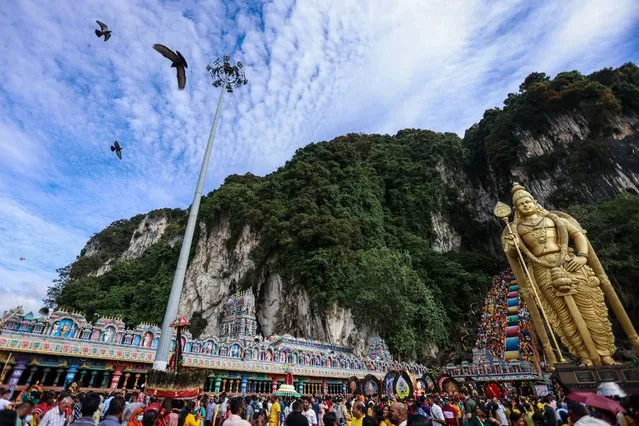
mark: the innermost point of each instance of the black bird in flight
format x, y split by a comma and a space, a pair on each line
22, 258
103, 31
178, 62
117, 148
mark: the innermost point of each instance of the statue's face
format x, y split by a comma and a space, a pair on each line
526, 206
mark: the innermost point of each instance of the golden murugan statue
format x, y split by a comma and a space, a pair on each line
565, 283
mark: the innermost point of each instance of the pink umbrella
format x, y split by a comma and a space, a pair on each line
593, 400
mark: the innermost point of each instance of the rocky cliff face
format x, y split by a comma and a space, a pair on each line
214, 274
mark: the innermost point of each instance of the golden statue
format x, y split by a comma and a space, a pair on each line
565, 283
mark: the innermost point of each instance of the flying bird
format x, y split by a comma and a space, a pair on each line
178, 62
103, 31
22, 258
117, 148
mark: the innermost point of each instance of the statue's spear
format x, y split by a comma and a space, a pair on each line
503, 211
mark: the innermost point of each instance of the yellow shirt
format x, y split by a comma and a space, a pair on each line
356, 422
274, 416
190, 420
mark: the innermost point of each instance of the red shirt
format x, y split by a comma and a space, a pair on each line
42, 408
449, 415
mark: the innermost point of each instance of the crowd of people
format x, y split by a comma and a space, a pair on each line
491, 334
35, 408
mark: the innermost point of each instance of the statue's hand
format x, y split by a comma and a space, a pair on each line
576, 263
511, 239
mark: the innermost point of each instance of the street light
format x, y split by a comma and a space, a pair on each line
227, 76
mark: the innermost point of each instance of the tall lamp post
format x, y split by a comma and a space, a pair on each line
228, 77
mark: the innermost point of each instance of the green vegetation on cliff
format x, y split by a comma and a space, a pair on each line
494, 142
354, 221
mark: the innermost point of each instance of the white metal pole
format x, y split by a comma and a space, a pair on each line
164, 346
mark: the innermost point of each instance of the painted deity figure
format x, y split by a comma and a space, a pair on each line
108, 335
568, 277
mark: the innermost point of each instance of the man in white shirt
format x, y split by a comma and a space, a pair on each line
437, 413
501, 412
57, 416
4, 401
224, 401
579, 416
310, 414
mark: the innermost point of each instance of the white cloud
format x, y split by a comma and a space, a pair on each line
315, 70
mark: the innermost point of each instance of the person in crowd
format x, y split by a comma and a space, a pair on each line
340, 411
500, 412
297, 417
132, 406
173, 416
449, 413
261, 419
563, 418
23, 411
322, 408
528, 413
236, 406
200, 411
310, 414
469, 405
90, 403
437, 413
398, 414
8, 417
274, 412
211, 408
516, 419
479, 418
57, 416
578, 415
358, 414
223, 402
249, 412
76, 410
150, 418
106, 403
4, 399
550, 418
386, 416
368, 421
418, 420
604, 415
329, 419
186, 417
115, 413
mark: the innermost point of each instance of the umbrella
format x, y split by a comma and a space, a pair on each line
611, 389
287, 390
591, 399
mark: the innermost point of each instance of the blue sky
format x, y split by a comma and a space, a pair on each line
316, 69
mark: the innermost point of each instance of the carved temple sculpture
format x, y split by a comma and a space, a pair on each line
562, 281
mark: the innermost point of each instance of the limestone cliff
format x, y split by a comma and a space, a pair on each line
282, 308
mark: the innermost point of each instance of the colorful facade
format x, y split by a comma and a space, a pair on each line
65, 347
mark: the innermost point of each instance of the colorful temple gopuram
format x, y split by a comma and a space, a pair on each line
64, 347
